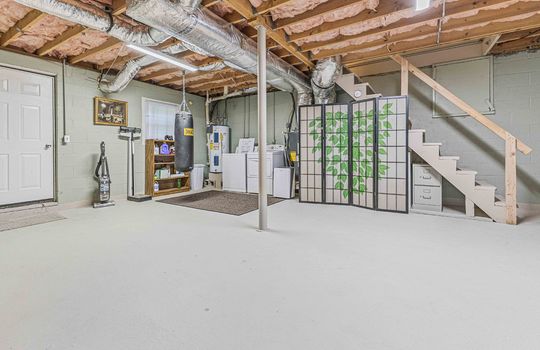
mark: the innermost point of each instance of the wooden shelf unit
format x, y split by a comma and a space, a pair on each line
158, 161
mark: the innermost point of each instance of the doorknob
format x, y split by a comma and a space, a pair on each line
48, 146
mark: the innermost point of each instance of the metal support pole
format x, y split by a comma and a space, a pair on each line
261, 91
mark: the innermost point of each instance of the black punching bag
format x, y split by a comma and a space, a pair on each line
183, 141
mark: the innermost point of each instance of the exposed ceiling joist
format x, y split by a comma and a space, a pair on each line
208, 3
60, 39
159, 73
527, 43
428, 16
280, 37
384, 9
223, 82
18, 28
453, 24
107, 45
244, 8
226, 74
320, 10
219, 88
119, 7
190, 77
270, 5
447, 38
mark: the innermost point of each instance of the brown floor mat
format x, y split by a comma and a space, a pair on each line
232, 203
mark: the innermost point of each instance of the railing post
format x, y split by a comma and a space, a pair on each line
510, 171
404, 77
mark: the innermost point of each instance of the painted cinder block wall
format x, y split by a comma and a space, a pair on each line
517, 105
76, 161
242, 113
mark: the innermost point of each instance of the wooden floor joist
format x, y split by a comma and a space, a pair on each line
107, 45
18, 28
160, 73
318, 11
59, 40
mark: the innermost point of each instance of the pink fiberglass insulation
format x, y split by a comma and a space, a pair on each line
369, 38
195, 58
295, 7
148, 70
46, 29
221, 9
257, 3
80, 43
108, 55
336, 15
360, 27
11, 12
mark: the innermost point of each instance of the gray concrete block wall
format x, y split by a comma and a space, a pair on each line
517, 104
76, 161
242, 113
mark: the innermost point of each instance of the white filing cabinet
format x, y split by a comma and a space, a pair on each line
234, 172
427, 188
274, 159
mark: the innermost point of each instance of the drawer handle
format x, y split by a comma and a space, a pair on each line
426, 190
426, 177
425, 197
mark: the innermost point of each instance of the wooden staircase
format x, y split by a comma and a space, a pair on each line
476, 192
358, 91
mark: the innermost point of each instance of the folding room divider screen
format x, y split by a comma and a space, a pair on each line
355, 153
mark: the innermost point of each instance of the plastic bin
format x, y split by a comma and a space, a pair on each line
197, 176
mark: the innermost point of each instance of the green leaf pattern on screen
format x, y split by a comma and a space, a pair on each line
363, 161
337, 141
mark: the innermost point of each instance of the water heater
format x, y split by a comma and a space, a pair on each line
218, 144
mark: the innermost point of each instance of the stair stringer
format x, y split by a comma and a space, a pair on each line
482, 196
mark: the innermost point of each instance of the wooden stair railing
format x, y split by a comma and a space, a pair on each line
512, 144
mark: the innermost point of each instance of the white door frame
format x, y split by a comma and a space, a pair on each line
54, 101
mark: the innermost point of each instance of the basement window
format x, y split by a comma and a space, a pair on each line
471, 80
158, 118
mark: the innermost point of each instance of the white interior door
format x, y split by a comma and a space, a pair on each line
26, 136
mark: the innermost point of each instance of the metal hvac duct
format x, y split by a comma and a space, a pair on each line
99, 20
323, 80
130, 70
213, 35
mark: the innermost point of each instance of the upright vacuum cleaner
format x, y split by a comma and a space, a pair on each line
131, 134
104, 180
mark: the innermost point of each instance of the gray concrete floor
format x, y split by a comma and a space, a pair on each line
156, 276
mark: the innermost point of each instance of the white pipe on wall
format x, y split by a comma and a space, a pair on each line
261, 85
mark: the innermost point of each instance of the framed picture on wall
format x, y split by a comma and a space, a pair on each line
110, 112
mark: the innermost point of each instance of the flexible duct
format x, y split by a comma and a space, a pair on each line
219, 38
323, 80
130, 70
99, 20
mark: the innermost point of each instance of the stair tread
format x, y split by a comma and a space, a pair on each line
449, 157
483, 185
432, 144
417, 130
467, 171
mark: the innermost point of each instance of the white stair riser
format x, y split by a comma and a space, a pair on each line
483, 197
